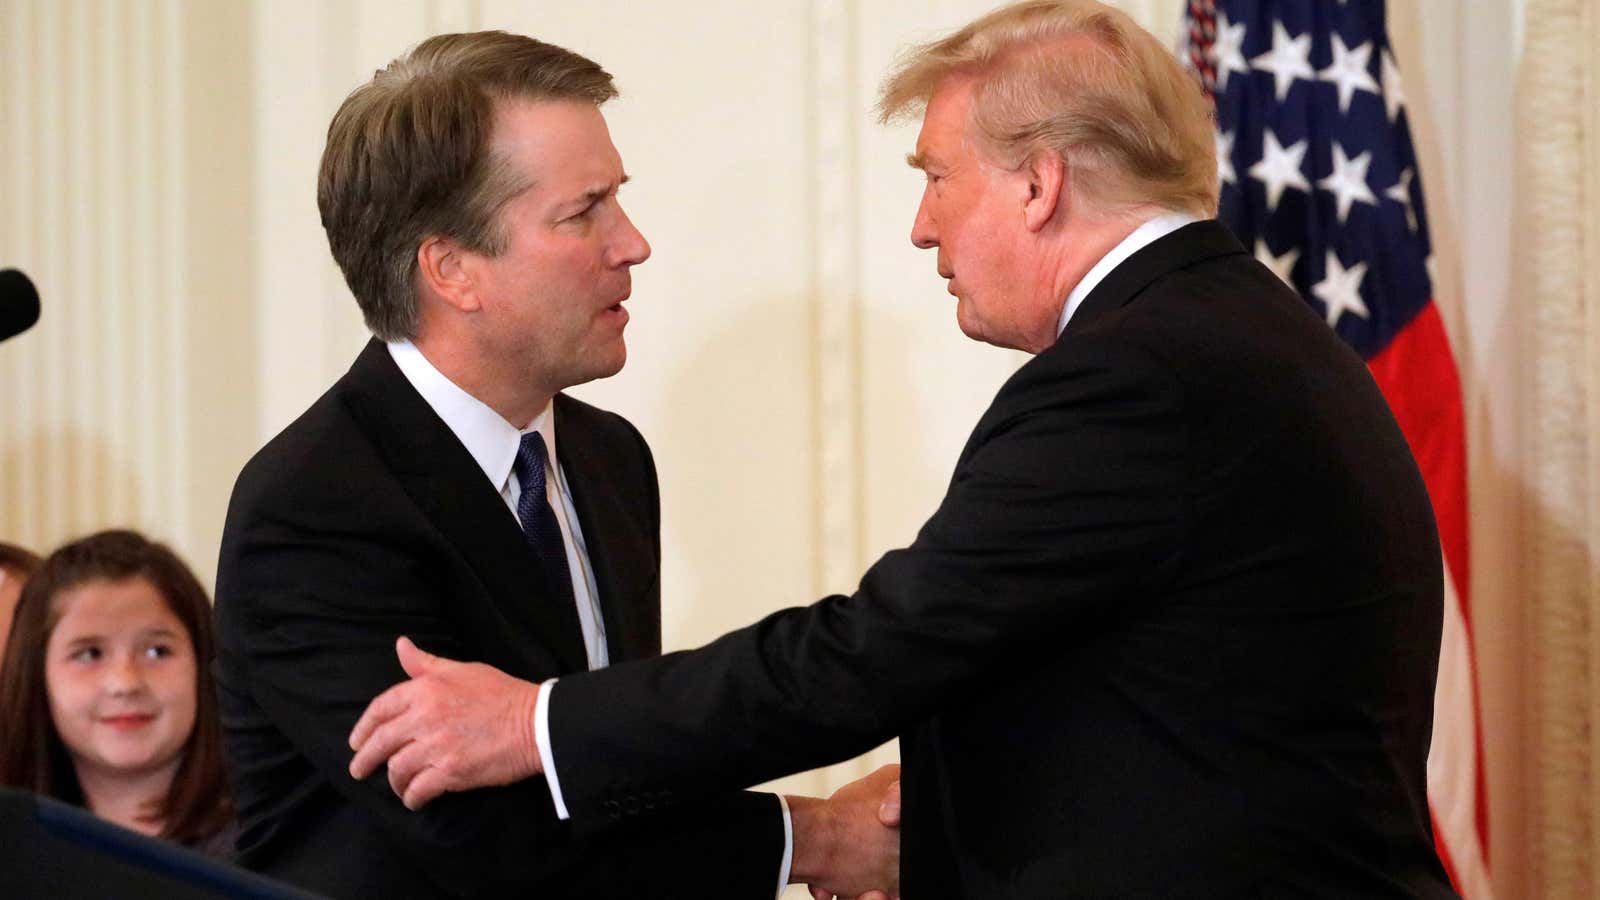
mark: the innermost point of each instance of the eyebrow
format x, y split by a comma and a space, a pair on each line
160, 631
594, 194
916, 161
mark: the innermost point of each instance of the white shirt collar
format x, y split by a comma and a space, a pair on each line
490, 439
1148, 233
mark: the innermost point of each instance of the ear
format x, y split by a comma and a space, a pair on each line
1049, 189
444, 267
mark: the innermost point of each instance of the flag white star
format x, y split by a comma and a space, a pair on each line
1289, 59
1349, 71
1394, 95
1225, 172
1340, 290
1281, 266
1348, 182
1227, 52
1280, 168
1401, 194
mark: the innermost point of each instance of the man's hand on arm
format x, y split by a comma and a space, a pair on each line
453, 727
849, 844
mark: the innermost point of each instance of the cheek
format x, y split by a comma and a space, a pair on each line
71, 702
179, 687
963, 231
68, 692
570, 256
589, 262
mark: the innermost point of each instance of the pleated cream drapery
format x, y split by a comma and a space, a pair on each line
1557, 261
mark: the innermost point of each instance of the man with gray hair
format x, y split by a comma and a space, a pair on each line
446, 496
1172, 631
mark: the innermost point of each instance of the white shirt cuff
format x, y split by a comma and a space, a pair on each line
541, 737
788, 845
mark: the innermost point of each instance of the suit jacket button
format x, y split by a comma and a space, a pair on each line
632, 805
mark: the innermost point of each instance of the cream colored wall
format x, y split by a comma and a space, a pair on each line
794, 361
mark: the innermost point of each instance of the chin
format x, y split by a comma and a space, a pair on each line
970, 326
135, 760
600, 368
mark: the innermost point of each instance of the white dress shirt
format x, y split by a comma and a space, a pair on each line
493, 443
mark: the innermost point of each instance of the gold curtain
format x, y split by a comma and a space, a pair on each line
1557, 263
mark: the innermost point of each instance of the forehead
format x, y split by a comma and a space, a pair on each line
555, 143
105, 607
944, 122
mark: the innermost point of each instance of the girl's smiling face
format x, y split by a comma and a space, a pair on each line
121, 677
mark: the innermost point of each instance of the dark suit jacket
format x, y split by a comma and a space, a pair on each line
1172, 632
367, 519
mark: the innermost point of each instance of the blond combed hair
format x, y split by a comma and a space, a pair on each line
408, 157
1081, 79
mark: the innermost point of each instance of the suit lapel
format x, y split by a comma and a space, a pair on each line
452, 492
620, 550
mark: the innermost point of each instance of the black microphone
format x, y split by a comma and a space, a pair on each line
19, 303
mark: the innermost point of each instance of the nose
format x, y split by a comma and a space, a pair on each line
924, 234
630, 247
124, 675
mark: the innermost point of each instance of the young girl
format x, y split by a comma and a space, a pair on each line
106, 698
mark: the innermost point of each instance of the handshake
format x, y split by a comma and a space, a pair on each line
456, 726
849, 844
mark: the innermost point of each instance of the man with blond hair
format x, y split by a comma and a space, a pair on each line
446, 496
1173, 630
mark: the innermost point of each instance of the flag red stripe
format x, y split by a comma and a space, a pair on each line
1417, 375
1443, 849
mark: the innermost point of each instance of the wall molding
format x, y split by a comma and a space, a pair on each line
835, 294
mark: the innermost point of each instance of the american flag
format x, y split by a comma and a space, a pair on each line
1319, 176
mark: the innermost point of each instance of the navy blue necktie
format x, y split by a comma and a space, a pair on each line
539, 525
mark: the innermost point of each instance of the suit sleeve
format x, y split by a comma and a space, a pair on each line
312, 596
1068, 502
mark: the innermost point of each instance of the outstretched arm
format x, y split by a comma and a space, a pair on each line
1069, 499
454, 726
